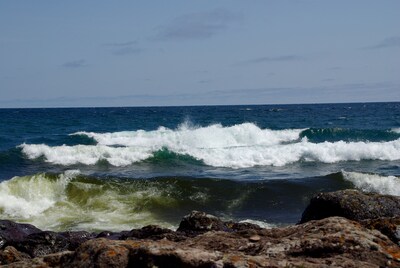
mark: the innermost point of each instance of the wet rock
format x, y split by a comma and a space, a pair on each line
43, 243
200, 222
11, 231
75, 239
238, 226
351, 204
113, 235
154, 232
149, 231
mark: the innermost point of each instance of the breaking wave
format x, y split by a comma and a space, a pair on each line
238, 146
373, 182
72, 201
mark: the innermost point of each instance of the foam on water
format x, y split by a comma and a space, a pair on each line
24, 197
64, 201
87, 154
236, 147
374, 183
396, 130
213, 136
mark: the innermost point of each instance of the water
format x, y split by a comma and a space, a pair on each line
123, 168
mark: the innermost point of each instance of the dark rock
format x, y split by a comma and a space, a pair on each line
75, 239
43, 243
200, 222
149, 231
155, 232
113, 235
351, 204
11, 231
239, 226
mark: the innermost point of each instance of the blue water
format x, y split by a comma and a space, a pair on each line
259, 162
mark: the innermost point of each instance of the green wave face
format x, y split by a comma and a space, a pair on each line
71, 201
67, 201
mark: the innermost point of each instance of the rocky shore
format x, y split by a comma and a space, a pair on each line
339, 229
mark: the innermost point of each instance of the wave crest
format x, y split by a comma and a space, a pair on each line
238, 146
374, 183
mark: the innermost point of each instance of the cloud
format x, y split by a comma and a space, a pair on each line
281, 58
126, 51
393, 41
124, 48
200, 25
75, 64
328, 80
335, 68
123, 44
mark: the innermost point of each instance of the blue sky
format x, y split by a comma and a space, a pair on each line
140, 53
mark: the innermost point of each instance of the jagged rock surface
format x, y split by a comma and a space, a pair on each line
331, 242
12, 231
351, 204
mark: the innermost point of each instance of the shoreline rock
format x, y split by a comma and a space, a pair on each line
203, 240
351, 204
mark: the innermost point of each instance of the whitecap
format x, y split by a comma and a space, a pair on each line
374, 183
238, 146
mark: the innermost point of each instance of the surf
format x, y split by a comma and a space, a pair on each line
238, 146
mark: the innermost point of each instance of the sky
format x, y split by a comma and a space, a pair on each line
166, 53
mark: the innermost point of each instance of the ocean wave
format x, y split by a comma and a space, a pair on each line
243, 156
373, 182
86, 154
396, 130
69, 201
347, 134
72, 201
186, 136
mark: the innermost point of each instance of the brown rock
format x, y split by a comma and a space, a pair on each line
331, 242
10, 255
254, 238
387, 226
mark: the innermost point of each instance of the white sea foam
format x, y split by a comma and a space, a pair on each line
24, 197
396, 130
237, 146
86, 154
374, 183
213, 136
61, 202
